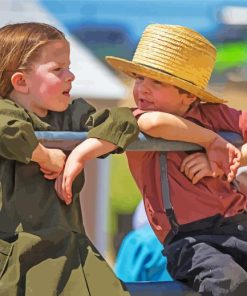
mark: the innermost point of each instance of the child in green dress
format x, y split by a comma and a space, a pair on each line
44, 249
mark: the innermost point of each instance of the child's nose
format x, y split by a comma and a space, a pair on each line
145, 86
70, 76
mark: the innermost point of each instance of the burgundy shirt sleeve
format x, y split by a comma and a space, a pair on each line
229, 119
243, 125
220, 117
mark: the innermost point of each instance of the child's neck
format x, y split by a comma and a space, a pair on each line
20, 100
25, 102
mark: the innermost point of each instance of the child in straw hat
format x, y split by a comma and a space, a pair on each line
196, 212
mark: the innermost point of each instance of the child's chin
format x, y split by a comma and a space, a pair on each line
65, 104
63, 109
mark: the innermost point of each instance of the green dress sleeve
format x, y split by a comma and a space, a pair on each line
116, 125
17, 138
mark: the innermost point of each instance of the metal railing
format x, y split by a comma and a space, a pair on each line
69, 140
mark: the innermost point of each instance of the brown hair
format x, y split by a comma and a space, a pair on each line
19, 45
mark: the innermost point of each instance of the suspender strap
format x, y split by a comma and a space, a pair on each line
166, 194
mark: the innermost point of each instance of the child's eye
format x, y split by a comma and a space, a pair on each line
57, 69
61, 69
157, 82
138, 77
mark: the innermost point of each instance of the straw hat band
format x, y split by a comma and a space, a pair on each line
177, 53
165, 72
183, 73
169, 63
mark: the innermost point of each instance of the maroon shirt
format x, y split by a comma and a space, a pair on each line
208, 197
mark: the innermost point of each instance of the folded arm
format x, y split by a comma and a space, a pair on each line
18, 141
109, 130
221, 154
172, 127
75, 163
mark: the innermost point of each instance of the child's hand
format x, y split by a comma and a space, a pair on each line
241, 179
63, 185
223, 155
53, 165
196, 166
87, 150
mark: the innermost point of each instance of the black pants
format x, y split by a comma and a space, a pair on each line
212, 261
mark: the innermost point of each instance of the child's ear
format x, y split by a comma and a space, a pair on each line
189, 99
19, 83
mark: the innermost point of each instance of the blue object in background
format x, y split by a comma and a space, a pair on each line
140, 258
134, 15
113, 27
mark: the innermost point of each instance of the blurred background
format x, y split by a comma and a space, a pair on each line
96, 28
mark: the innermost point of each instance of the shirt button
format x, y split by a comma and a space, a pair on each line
240, 227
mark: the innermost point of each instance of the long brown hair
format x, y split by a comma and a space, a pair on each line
19, 45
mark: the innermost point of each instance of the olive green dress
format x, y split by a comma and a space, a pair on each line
43, 246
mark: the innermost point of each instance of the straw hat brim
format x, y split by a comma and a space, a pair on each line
131, 69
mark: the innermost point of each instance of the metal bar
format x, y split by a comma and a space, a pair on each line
69, 140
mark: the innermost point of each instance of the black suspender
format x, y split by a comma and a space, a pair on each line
166, 195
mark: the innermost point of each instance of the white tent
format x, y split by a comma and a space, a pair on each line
93, 79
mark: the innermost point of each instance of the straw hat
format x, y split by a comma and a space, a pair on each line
175, 55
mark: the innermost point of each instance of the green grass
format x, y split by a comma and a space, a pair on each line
230, 55
124, 194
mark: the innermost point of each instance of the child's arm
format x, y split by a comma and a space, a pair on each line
109, 130
51, 161
17, 137
87, 150
222, 155
173, 127
18, 141
196, 166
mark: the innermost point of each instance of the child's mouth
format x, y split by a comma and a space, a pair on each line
66, 93
143, 104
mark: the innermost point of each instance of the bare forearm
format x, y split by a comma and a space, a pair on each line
40, 154
93, 148
172, 127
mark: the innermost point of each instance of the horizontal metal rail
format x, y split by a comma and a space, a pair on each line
69, 140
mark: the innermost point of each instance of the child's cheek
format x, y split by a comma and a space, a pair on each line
135, 93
